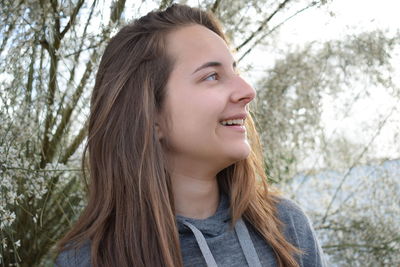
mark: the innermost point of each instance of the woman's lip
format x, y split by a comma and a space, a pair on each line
239, 116
239, 128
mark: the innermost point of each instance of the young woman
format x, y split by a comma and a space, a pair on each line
176, 175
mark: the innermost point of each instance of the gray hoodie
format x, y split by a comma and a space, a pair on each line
211, 242
243, 245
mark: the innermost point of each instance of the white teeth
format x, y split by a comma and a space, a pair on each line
233, 122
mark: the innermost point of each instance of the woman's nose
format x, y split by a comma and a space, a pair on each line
242, 92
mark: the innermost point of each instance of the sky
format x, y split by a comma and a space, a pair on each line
347, 16
330, 22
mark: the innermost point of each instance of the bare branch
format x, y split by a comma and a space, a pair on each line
54, 143
165, 3
45, 44
11, 25
274, 29
49, 106
381, 246
29, 83
378, 131
263, 24
54, 6
76, 58
77, 53
117, 9
6, 36
74, 145
72, 18
40, 170
52, 49
215, 6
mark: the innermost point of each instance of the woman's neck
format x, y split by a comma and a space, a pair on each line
195, 197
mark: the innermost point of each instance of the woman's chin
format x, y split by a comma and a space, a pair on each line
238, 155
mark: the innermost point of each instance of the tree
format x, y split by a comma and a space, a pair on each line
361, 228
289, 105
48, 54
356, 214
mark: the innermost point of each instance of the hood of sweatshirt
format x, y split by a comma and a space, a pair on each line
211, 226
216, 225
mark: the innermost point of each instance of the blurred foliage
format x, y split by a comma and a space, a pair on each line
289, 100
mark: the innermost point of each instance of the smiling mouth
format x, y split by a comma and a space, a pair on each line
237, 122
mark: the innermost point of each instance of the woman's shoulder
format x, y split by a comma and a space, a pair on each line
289, 211
79, 256
296, 223
298, 230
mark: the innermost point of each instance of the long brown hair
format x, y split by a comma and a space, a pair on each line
130, 218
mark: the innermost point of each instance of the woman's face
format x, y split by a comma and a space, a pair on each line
203, 93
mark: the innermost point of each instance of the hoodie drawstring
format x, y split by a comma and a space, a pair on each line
244, 240
246, 244
201, 241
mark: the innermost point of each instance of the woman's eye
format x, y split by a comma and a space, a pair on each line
211, 77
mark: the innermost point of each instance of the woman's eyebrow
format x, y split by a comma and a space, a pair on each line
208, 64
212, 64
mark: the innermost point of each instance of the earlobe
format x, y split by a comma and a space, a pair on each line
159, 132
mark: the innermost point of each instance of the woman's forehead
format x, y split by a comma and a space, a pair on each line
195, 44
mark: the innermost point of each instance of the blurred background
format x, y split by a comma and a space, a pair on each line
328, 93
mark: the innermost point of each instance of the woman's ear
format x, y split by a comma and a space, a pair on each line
159, 131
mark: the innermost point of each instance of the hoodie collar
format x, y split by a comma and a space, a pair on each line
213, 225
